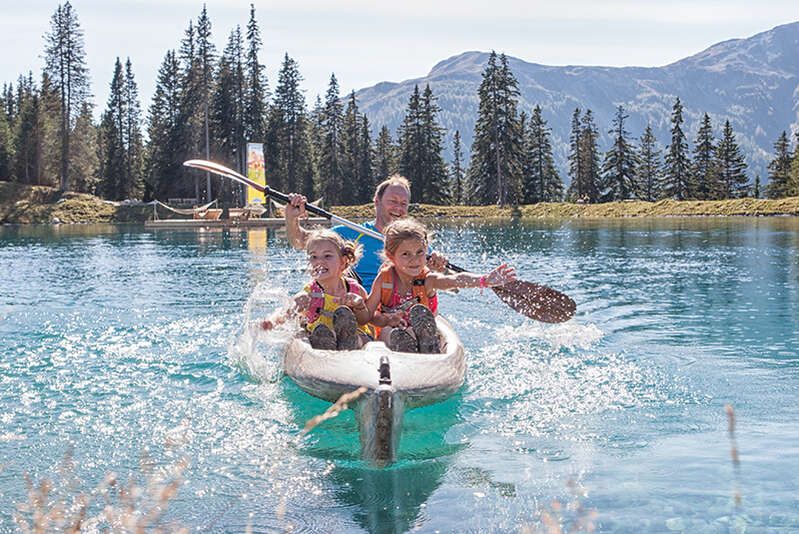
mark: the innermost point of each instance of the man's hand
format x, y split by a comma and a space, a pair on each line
437, 262
294, 210
296, 207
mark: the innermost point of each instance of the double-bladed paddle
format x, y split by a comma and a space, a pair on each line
536, 301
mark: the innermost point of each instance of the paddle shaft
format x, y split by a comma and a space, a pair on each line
538, 302
279, 196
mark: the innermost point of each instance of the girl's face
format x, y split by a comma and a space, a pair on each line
410, 257
325, 262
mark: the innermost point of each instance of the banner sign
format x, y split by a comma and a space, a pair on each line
256, 172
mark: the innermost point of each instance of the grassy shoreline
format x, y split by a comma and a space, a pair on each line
22, 204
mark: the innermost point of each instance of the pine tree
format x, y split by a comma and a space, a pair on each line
164, 150
366, 188
132, 136
227, 111
457, 172
618, 169
7, 119
257, 89
120, 138
678, 179
495, 169
35, 142
575, 191
411, 144
588, 153
6, 140
435, 183
351, 143
779, 169
731, 166
331, 153
315, 125
190, 118
83, 169
48, 133
65, 65
112, 143
792, 189
648, 176
705, 172
206, 57
542, 182
197, 56
385, 157
421, 146
288, 139
756, 192
29, 133
9, 102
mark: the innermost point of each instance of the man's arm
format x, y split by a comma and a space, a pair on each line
295, 209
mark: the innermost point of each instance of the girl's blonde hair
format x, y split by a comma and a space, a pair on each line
349, 250
403, 230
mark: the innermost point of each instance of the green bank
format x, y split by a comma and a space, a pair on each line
22, 204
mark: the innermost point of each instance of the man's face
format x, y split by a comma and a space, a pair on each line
392, 206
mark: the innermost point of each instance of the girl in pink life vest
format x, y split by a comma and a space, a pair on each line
403, 299
331, 304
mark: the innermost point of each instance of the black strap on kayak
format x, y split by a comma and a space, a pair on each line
385, 371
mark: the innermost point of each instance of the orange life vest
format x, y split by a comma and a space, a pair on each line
390, 300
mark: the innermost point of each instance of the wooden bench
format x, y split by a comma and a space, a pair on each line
209, 214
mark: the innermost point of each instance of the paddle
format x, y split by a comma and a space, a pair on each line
536, 301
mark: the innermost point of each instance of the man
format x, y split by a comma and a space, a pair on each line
392, 197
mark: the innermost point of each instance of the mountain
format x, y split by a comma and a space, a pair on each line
753, 82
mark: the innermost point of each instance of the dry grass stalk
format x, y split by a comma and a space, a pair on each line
122, 508
736, 461
339, 406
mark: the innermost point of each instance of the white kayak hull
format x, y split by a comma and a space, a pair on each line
420, 379
394, 381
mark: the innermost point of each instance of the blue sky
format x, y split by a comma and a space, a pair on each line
365, 42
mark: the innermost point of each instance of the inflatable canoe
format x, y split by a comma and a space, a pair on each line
394, 380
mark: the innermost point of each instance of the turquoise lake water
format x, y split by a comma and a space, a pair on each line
124, 350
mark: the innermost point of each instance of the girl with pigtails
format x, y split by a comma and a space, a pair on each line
332, 305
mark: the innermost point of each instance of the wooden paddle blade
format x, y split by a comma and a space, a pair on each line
537, 302
227, 172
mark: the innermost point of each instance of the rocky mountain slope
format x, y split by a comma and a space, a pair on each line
753, 82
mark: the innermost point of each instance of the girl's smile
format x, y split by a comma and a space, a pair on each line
409, 258
325, 262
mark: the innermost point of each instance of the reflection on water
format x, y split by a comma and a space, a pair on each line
389, 500
112, 337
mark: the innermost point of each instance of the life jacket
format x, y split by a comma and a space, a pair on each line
391, 300
322, 305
